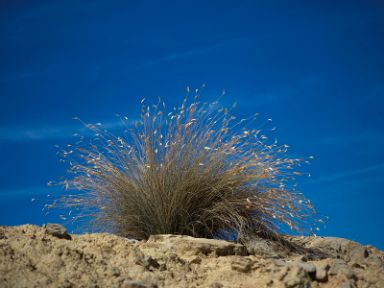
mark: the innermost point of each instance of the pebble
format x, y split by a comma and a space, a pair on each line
242, 264
217, 285
307, 267
58, 231
137, 284
346, 285
322, 271
115, 271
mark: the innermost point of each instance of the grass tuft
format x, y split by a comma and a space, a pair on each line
195, 170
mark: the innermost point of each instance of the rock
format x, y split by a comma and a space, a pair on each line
150, 262
264, 248
115, 271
296, 277
346, 285
374, 260
30, 258
186, 245
242, 264
67, 284
145, 260
2, 234
173, 257
58, 231
132, 241
340, 267
136, 284
322, 271
308, 267
216, 285
196, 260
358, 254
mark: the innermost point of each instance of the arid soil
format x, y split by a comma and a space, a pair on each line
32, 256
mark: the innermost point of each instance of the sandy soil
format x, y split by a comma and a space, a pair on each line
32, 256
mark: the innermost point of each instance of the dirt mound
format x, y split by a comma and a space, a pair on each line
32, 256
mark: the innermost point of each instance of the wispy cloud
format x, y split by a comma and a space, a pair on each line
345, 174
23, 75
51, 132
183, 54
7, 195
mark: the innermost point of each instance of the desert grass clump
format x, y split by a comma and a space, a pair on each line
195, 170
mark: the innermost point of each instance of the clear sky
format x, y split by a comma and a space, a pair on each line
315, 67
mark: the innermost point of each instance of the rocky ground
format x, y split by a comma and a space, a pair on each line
32, 256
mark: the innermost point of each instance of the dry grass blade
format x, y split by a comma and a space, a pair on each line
194, 171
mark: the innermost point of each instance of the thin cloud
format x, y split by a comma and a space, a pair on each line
183, 54
49, 132
166, 58
346, 174
7, 195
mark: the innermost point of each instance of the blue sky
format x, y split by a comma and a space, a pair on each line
315, 67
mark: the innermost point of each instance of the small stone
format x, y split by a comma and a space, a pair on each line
175, 258
279, 262
67, 284
58, 231
322, 271
217, 285
307, 267
242, 264
346, 285
163, 267
137, 284
115, 271
132, 240
146, 261
196, 260
296, 278
151, 262
261, 247
303, 258
2, 234
282, 273
293, 279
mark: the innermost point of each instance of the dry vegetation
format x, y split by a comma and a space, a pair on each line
195, 170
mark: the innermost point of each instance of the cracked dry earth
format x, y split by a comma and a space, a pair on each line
32, 256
